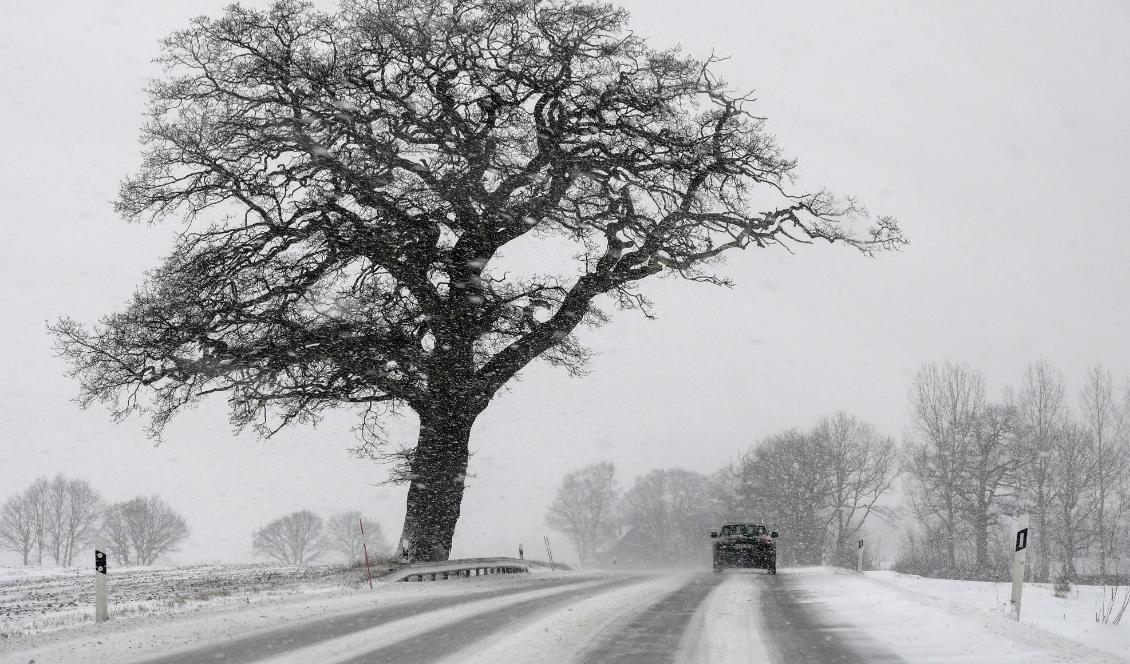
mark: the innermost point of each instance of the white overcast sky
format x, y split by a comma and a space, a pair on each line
996, 132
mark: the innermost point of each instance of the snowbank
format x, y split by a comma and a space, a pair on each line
936, 620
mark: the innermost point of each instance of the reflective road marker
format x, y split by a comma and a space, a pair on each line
101, 612
1019, 558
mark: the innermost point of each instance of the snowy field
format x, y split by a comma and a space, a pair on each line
39, 600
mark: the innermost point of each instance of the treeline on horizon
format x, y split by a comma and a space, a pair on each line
967, 466
56, 519
52, 521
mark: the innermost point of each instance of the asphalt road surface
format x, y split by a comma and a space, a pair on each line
741, 616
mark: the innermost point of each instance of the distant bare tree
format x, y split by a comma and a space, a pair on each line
1043, 414
818, 486
72, 507
1119, 535
729, 490
343, 534
946, 405
1072, 485
860, 465
18, 525
1102, 417
115, 528
583, 507
37, 501
143, 529
785, 486
295, 539
991, 470
671, 511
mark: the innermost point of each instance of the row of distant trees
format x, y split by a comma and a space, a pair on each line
56, 518
820, 485
973, 463
301, 537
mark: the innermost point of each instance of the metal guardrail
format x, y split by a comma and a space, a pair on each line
464, 568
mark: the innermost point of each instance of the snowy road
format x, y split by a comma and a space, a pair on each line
644, 619
816, 615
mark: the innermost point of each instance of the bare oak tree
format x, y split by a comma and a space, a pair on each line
295, 539
583, 507
349, 182
141, 530
343, 535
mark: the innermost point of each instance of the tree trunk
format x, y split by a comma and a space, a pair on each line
951, 533
981, 541
1043, 548
437, 473
1100, 516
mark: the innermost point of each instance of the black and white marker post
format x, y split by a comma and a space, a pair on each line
101, 612
1019, 558
859, 558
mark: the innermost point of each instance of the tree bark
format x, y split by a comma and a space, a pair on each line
1043, 547
981, 541
437, 472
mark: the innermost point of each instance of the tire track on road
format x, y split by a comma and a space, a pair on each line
448, 640
727, 627
653, 636
280, 641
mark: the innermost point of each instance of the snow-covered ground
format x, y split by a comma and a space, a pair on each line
550, 617
168, 627
40, 600
935, 620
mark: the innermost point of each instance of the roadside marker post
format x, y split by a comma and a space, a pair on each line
549, 553
101, 611
1019, 558
859, 558
365, 548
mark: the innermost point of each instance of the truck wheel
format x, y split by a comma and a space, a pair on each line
772, 569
